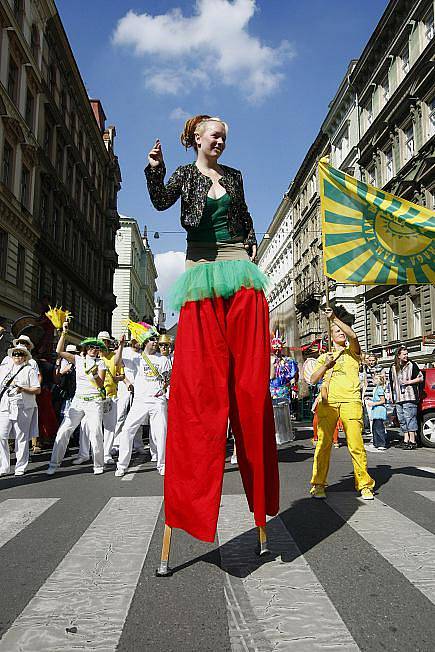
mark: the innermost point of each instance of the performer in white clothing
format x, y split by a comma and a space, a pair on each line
129, 359
24, 340
149, 402
87, 402
19, 385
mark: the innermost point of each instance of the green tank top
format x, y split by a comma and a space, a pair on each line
213, 226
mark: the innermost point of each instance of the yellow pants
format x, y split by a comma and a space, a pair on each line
352, 418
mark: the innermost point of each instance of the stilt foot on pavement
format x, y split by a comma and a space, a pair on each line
164, 570
262, 548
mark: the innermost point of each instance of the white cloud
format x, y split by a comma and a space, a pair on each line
169, 265
179, 114
211, 46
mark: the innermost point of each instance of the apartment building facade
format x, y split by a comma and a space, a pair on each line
59, 176
134, 283
380, 127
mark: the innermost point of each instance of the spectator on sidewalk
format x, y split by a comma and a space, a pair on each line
19, 385
371, 368
378, 416
405, 379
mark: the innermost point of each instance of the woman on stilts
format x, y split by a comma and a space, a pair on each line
222, 356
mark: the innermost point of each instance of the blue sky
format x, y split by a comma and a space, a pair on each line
268, 67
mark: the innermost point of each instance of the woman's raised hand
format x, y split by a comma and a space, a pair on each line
155, 156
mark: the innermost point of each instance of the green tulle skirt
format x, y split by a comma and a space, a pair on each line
218, 279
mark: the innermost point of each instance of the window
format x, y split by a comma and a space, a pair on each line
34, 41
389, 172
48, 137
371, 175
409, 143
78, 193
25, 186
394, 322
59, 158
65, 237
80, 142
69, 172
19, 11
41, 280
377, 331
431, 107
3, 253
342, 147
21, 262
368, 113
8, 160
53, 288
63, 104
429, 27
64, 292
13, 80
52, 78
404, 58
55, 223
385, 90
30, 109
416, 317
43, 209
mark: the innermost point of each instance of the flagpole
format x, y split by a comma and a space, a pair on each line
328, 306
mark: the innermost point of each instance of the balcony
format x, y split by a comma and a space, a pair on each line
309, 297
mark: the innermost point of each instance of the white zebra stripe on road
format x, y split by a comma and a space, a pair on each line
406, 545
84, 603
131, 472
16, 514
279, 604
430, 495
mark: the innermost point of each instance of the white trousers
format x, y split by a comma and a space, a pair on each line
20, 430
109, 417
125, 401
142, 409
93, 411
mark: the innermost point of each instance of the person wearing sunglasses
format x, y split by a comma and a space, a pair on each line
87, 402
149, 402
19, 385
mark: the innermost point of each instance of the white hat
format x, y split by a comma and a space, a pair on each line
23, 338
22, 349
103, 335
71, 348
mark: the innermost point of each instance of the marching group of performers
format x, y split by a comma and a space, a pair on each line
221, 373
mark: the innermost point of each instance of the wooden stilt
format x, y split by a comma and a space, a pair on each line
262, 539
164, 570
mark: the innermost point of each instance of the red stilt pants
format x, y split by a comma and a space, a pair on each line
220, 372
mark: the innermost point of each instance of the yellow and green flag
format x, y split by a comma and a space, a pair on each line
371, 237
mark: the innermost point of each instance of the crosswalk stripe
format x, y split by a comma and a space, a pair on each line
275, 604
84, 603
406, 545
428, 469
129, 476
16, 514
430, 495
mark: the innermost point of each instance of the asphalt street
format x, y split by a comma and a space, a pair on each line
78, 554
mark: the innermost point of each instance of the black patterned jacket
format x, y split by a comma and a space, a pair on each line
193, 187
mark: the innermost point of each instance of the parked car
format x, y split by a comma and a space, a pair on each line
427, 409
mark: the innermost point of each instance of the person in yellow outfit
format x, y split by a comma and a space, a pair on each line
341, 399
